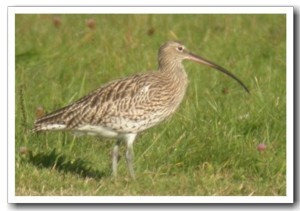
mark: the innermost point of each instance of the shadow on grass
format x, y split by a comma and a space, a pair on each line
60, 162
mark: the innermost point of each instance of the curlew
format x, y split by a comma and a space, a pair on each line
122, 108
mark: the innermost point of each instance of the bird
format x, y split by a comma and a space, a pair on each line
121, 109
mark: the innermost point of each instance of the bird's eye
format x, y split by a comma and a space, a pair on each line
180, 48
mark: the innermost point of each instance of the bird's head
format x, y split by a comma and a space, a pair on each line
173, 53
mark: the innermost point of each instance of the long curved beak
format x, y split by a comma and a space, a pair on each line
201, 60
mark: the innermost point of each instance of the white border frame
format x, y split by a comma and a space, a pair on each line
289, 198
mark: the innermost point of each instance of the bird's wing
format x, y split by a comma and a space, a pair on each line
127, 98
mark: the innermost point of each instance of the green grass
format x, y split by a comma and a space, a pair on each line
207, 148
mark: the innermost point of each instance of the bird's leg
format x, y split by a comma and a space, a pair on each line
115, 158
129, 153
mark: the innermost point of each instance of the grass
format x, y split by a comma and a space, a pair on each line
207, 148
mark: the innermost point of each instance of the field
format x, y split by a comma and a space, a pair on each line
208, 148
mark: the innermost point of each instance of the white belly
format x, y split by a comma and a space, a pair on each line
96, 131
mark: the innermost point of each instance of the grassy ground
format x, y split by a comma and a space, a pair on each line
209, 147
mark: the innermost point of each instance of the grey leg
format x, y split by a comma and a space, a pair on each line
129, 153
115, 158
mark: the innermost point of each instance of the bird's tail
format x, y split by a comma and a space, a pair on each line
51, 121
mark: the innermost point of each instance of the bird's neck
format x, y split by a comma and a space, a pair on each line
175, 80
173, 71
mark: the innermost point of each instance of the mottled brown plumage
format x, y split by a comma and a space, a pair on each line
122, 108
